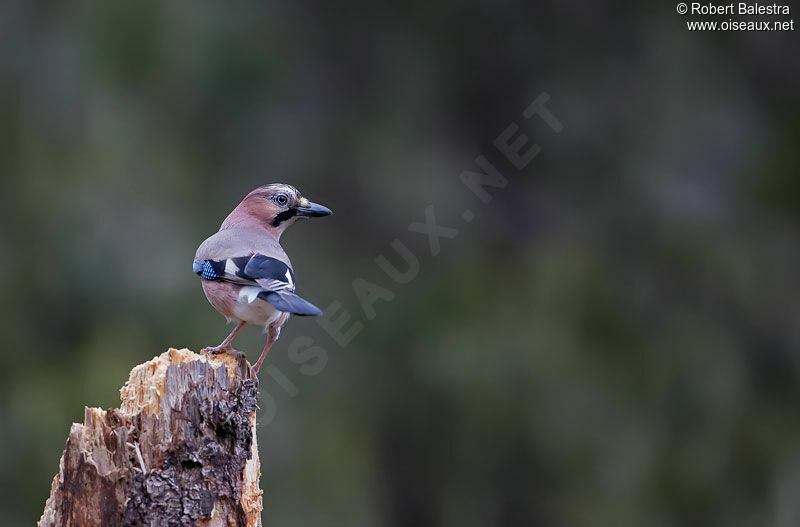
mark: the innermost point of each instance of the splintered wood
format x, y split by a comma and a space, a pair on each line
180, 450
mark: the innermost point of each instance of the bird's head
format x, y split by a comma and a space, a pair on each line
275, 207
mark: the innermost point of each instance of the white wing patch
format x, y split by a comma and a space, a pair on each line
250, 292
230, 267
289, 278
273, 285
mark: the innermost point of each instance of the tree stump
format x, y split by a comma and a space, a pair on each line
180, 450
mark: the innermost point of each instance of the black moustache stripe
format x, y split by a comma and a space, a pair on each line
283, 216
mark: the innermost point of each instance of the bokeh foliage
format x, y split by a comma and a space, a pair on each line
612, 341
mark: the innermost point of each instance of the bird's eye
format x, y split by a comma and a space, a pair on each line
281, 199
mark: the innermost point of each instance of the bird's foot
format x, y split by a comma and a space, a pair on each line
219, 350
216, 350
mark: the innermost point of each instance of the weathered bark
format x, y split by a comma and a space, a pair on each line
180, 450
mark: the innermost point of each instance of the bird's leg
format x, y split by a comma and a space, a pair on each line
274, 333
225, 345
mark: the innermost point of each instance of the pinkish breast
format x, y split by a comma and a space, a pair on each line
222, 295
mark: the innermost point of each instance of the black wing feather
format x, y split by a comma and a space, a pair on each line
263, 269
274, 276
291, 303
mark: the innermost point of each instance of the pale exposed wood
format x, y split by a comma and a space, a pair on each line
180, 450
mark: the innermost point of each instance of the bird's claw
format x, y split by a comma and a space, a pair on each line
216, 350
219, 350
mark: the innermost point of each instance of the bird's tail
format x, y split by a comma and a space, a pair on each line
290, 303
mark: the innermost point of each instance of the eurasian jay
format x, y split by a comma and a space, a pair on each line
245, 274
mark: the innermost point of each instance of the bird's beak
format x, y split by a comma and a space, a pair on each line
313, 210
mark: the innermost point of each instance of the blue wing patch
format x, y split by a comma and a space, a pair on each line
273, 275
264, 270
208, 269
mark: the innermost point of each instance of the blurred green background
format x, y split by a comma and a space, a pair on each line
614, 340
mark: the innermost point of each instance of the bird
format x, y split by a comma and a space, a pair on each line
245, 273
